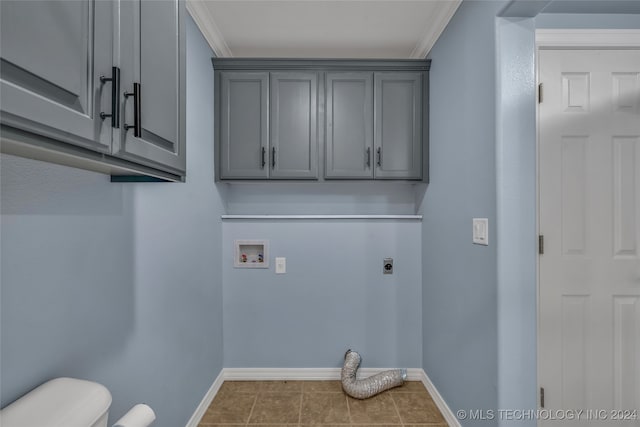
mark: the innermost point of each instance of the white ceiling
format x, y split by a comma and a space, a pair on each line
322, 28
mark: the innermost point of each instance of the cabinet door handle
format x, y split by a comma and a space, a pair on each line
368, 157
379, 156
264, 160
115, 91
273, 157
137, 103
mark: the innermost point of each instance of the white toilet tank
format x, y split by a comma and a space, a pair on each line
62, 402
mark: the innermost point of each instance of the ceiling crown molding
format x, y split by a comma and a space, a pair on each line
207, 25
433, 32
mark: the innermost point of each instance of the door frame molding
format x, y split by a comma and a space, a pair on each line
587, 39
565, 38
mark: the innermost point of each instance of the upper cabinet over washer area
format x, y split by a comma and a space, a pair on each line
98, 84
319, 119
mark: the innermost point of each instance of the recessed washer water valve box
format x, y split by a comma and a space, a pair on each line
251, 254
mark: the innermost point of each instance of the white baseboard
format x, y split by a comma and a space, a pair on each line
318, 374
206, 401
448, 415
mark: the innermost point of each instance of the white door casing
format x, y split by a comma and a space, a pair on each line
589, 214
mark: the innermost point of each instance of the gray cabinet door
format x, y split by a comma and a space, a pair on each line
349, 125
243, 127
294, 130
153, 55
398, 125
52, 56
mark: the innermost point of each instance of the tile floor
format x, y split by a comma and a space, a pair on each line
318, 403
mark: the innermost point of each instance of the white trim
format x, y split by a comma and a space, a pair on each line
433, 32
446, 412
206, 401
317, 374
268, 217
273, 374
297, 374
547, 38
201, 14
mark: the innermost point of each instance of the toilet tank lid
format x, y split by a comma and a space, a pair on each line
61, 402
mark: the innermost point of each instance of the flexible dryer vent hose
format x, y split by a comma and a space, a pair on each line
365, 388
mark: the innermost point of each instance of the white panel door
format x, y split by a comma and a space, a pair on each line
589, 182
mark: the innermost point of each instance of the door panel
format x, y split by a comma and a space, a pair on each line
294, 131
244, 125
589, 182
53, 53
349, 125
159, 71
153, 52
398, 129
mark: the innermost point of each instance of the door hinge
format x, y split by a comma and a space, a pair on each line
541, 244
539, 93
542, 397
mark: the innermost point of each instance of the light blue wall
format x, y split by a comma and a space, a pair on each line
460, 279
480, 312
117, 283
516, 220
68, 293
346, 198
516, 186
332, 298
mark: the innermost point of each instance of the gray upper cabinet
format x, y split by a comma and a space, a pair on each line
267, 124
398, 125
243, 126
368, 118
349, 125
65, 68
53, 54
153, 117
294, 132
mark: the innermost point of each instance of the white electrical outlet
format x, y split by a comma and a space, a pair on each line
281, 265
481, 231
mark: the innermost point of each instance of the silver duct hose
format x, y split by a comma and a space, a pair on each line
365, 388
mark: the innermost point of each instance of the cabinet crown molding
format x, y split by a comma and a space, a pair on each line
247, 64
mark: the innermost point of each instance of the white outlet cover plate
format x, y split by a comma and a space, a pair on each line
481, 231
281, 265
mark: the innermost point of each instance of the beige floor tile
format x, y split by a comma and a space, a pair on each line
324, 408
409, 387
318, 403
240, 387
281, 386
326, 425
417, 408
375, 410
428, 425
322, 386
229, 408
276, 408
220, 425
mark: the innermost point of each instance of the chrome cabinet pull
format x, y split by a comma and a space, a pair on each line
368, 157
264, 161
137, 103
379, 156
115, 91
